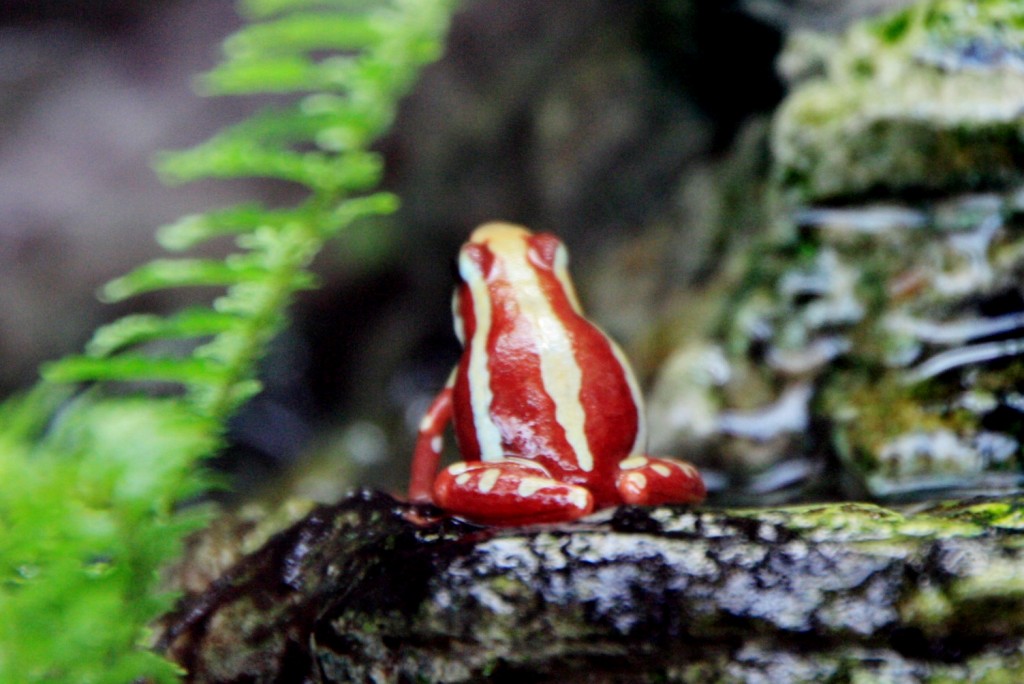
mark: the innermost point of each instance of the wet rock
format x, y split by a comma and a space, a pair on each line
229, 537
374, 590
927, 398
890, 336
871, 344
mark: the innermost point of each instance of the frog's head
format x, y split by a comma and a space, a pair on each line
502, 262
512, 253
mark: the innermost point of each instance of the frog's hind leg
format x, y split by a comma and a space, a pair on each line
650, 481
509, 492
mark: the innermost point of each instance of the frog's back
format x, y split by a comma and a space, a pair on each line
553, 389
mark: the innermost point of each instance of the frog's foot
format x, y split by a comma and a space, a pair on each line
509, 492
650, 481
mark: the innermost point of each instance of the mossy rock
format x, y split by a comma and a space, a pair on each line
375, 590
927, 99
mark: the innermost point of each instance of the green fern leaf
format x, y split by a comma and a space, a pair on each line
161, 274
230, 158
131, 367
139, 329
195, 229
303, 32
281, 74
351, 210
264, 9
220, 400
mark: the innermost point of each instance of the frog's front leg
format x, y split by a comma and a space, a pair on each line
429, 443
650, 481
510, 491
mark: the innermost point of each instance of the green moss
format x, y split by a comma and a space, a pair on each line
1003, 514
862, 522
852, 521
1002, 582
871, 411
929, 609
894, 29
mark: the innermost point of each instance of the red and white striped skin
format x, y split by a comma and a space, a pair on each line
547, 413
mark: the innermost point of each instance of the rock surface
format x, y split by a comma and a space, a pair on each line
374, 590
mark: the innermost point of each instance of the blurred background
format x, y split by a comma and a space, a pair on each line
607, 122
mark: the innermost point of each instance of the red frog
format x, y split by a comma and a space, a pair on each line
547, 413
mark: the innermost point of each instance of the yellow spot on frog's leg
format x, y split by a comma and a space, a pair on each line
435, 445
661, 469
637, 480
462, 479
531, 485
633, 462
578, 498
488, 480
458, 468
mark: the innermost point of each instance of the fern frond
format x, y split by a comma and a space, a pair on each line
350, 68
89, 509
